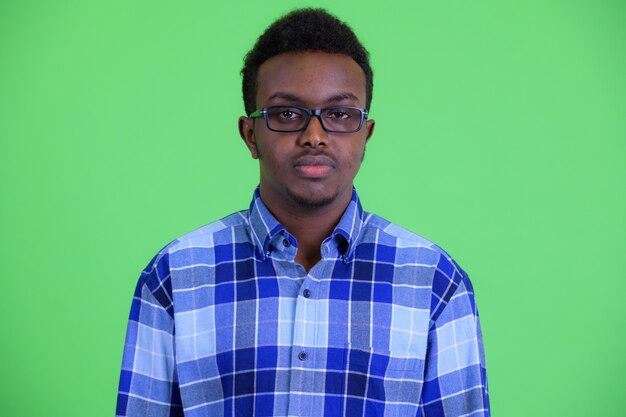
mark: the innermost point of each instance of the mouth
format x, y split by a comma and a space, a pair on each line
314, 166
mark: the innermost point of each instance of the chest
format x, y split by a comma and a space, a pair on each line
252, 303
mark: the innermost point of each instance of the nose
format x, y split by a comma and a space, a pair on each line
314, 135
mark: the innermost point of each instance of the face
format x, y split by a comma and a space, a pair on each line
312, 168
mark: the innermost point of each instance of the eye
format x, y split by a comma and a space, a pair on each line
285, 115
288, 115
338, 114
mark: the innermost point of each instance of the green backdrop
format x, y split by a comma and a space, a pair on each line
501, 131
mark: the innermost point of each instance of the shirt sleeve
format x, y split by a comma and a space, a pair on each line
455, 382
148, 382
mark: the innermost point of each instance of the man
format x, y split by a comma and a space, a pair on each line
304, 305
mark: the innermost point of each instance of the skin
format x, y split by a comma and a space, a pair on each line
306, 177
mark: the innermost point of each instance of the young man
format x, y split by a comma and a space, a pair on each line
304, 305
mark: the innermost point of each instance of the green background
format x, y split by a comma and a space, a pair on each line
500, 135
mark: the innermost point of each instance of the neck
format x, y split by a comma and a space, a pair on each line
310, 226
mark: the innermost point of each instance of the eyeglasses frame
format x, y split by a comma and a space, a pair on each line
311, 112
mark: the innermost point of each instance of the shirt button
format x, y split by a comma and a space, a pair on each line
306, 293
303, 356
286, 242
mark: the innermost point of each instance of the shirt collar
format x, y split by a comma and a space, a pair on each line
265, 227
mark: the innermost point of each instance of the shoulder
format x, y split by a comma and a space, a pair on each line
210, 234
194, 245
427, 258
382, 231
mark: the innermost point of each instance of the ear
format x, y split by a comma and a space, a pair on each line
246, 131
369, 129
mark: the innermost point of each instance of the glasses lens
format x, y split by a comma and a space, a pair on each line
286, 118
342, 119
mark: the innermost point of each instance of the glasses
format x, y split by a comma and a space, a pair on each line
335, 119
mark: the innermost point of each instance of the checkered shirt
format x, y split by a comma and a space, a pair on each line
224, 322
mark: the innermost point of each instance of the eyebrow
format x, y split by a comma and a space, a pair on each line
341, 97
295, 99
285, 96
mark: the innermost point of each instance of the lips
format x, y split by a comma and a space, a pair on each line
314, 166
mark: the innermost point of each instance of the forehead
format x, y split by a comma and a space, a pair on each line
313, 77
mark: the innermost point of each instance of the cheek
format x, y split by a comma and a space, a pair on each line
357, 156
272, 155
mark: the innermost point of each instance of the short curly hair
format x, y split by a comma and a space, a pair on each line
303, 30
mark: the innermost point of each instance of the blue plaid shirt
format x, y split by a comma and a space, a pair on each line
225, 323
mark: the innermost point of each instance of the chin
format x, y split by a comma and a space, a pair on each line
312, 199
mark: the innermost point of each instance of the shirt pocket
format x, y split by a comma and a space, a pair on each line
389, 382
